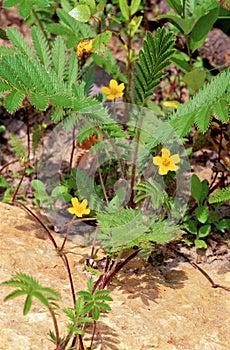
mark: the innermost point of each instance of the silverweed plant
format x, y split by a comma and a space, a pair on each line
119, 167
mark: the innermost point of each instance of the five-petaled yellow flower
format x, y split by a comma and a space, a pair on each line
78, 208
114, 90
166, 162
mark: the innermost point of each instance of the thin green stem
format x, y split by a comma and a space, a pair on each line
135, 155
102, 185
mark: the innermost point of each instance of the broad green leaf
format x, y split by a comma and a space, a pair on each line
202, 28
178, 22
202, 213
181, 61
204, 191
220, 109
190, 226
134, 6
13, 100
204, 231
196, 188
81, 13
175, 5
195, 79
124, 9
199, 243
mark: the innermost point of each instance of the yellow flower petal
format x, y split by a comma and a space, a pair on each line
157, 160
113, 84
105, 90
74, 201
165, 153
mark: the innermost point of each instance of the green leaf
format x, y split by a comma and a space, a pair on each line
179, 22
13, 100
19, 41
10, 3
62, 100
203, 118
25, 8
223, 225
204, 231
199, 243
27, 304
58, 57
96, 313
219, 196
81, 13
202, 213
190, 226
4, 86
202, 28
196, 188
124, 9
40, 297
195, 79
15, 293
134, 6
41, 46
220, 109
101, 41
175, 5
39, 101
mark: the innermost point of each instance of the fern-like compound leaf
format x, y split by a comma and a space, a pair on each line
222, 195
58, 57
154, 58
41, 46
200, 108
19, 41
13, 100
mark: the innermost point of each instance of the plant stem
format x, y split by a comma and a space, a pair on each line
133, 170
18, 187
103, 186
55, 325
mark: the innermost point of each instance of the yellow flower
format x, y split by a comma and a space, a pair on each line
171, 104
166, 162
78, 208
114, 90
84, 47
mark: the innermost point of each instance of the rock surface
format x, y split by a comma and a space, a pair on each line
152, 308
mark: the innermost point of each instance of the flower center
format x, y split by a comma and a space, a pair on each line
166, 162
